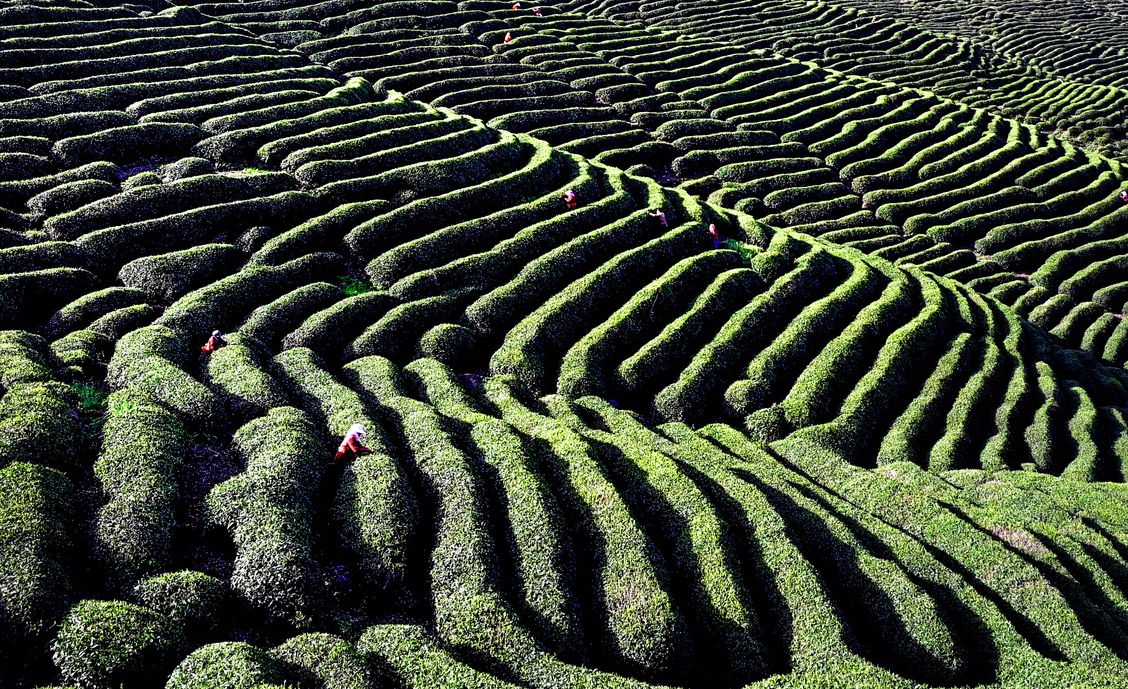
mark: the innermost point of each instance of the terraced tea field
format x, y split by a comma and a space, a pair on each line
819, 382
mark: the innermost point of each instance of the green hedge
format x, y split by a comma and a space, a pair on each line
270, 322
151, 362
470, 235
533, 177
119, 322
108, 644
1086, 461
371, 138
88, 308
881, 389
192, 600
128, 144
19, 166
492, 268
228, 665
142, 180
69, 197
269, 511
531, 349
453, 345
395, 335
238, 147
222, 304
325, 660
321, 233
13, 194
647, 370
771, 371
688, 527
639, 629
85, 349
918, 427
375, 509
328, 331
113, 247
415, 657
240, 373
38, 425
322, 143
227, 109
689, 397
142, 448
151, 202
65, 126
585, 247
186, 168
44, 255
443, 139
27, 298
35, 555
585, 365
434, 177
536, 533
166, 277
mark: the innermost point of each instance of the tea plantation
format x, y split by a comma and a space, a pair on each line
820, 381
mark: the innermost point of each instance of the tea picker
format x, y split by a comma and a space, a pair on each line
353, 444
214, 342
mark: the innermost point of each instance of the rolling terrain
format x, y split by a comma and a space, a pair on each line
872, 432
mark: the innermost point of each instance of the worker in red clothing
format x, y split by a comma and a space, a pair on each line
659, 217
1124, 196
536, 10
571, 202
214, 342
508, 37
516, 5
353, 443
714, 235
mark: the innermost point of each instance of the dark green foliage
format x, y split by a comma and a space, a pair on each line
151, 361
35, 582
24, 358
70, 196
108, 644
27, 298
222, 305
85, 349
22, 259
187, 167
165, 277
117, 323
38, 425
140, 204
142, 448
395, 333
414, 656
449, 343
375, 508
141, 181
128, 144
327, 331
113, 247
318, 234
240, 372
192, 600
270, 322
269, 511
228, 665
328, 661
